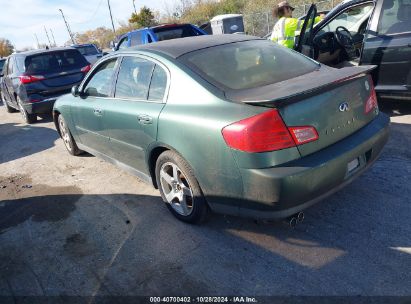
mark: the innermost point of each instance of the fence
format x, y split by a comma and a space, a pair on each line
261, 24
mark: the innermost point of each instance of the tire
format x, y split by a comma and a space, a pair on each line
8, 108
28, 118
179, 188
68, 139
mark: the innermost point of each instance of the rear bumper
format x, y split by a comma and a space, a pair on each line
40, 107
279, 192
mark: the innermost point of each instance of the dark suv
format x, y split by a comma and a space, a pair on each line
363, 32
33, 80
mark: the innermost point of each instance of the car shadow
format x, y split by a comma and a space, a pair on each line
394, 107
17, 141
129, 244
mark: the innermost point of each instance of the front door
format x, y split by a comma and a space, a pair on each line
90, 109
388, 45
132, 119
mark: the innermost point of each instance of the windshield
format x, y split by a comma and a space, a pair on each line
248, 64
87, 50
53, 62
351, 18
167, 33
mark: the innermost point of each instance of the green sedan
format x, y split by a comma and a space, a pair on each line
228, 123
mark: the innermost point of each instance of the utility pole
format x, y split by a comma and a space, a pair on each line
52, 35
135, 11
47, 36
111, 16
67, 26
37, 39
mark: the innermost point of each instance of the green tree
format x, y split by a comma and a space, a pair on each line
144, 18
6, 48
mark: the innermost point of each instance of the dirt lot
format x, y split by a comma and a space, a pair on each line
80, 226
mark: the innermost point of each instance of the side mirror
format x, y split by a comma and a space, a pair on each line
75, 91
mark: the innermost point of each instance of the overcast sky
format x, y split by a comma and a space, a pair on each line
21, 19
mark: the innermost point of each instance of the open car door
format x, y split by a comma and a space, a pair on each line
303, 43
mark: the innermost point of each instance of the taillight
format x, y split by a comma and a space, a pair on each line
25, 79
86, 68
303, 135
371, 102
261, 133
266, 132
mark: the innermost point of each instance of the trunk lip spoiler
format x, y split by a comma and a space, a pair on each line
301, 87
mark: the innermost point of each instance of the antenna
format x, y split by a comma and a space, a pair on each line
52, 35
111, 16
47, 36
67, 26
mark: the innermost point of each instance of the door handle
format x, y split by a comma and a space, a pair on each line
98, 112
144, 119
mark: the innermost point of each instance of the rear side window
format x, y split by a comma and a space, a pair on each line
168, 33
100, 83
54, 62
2, 64
395, 17
248, 64
158, 84
135, 38
134, 78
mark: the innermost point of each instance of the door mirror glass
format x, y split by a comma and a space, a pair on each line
75, 91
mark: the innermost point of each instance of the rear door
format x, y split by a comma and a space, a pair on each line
59, 70
89, 111
132, 119
11, 81
388, 45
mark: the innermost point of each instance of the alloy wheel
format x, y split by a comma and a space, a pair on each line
176, 189
65, 134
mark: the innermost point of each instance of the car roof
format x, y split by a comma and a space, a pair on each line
43, 51
178, 47
226, 16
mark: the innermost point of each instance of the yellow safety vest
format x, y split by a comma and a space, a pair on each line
286, 29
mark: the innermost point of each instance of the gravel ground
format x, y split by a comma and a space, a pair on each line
80, 226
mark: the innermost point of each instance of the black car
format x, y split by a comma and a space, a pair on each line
33, 80
365, 32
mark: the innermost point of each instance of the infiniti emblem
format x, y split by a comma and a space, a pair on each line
344, 107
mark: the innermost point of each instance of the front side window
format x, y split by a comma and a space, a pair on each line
134, 78
100, 83
351, 19
248, 64
395, 17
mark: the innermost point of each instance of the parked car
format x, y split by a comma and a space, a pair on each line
362, 32
90, 51
33, 80
229, 122
157, 33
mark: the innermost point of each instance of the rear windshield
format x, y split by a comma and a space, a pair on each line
248, 64
87, 50
54, 62
168, 33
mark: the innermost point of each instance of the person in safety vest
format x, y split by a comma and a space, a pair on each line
285, 29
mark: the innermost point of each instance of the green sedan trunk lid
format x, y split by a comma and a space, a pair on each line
333, 103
